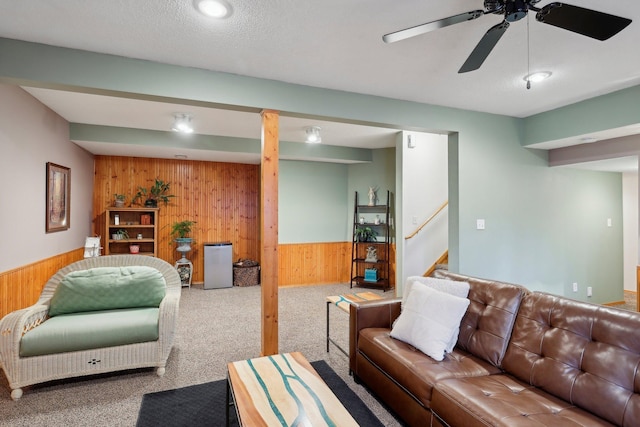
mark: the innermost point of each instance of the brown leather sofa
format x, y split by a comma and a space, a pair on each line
522, 359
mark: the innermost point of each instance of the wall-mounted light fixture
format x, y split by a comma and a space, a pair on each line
313, 134
182, 123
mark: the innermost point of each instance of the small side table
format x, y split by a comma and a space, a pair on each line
185, 271
343, 302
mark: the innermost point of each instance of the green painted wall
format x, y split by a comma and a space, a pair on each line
312, 201
613, 110
379, 173
526, 204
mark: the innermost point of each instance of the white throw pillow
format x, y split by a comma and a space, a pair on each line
452, 287
429, 320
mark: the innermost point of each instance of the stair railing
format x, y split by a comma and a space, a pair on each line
427, 221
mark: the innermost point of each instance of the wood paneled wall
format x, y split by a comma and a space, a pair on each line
319, 263
21, 287
314, 263
223, 198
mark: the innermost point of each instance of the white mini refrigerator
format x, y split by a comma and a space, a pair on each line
218, 265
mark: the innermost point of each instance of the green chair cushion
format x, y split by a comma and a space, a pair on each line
108, 288
84, 331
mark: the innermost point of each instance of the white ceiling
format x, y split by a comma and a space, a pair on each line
332, 44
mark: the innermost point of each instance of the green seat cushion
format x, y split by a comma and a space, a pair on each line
84, 331
108, 288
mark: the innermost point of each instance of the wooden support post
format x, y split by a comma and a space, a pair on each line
269, 231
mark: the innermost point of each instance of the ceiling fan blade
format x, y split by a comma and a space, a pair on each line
484, 47
590, 23
431, 26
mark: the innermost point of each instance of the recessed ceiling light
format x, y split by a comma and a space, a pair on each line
182, 123
213, 8
536, 77
313, 134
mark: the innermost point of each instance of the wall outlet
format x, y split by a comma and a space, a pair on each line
480, 224
575, 287
589, 291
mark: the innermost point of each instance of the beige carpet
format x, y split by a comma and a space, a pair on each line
630, 301
216, 326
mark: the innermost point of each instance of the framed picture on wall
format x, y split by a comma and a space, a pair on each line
58, 198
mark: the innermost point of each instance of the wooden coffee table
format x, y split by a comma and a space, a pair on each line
282, 390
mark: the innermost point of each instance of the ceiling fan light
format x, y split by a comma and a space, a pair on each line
182, 123
213, 8
536, 77
313, 134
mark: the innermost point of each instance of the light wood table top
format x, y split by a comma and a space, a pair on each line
344, 301
283, 390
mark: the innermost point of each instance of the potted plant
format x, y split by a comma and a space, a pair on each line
120, 235
365, 234
120, 199
181, 229
158, 191
179, 232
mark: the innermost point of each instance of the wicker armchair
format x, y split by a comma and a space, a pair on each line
24, 371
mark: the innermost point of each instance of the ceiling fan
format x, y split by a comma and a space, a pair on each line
588, 22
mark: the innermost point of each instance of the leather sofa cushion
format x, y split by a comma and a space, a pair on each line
503, 401
583, 353
414, 370
84, 331
108, 288
486, 326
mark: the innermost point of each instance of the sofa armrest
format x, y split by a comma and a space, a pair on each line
13, 326
370, 314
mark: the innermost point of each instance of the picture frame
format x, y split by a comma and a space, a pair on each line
58, 201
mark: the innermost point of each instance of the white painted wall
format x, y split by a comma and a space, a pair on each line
423, 190
30, 136
630, 227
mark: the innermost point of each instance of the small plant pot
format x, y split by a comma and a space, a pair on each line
134, 249
119, 203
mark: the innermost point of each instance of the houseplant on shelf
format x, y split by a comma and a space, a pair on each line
365, 234
120, 235
157, 192
119, 200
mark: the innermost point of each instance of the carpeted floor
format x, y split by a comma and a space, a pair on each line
203, 405
630, 301
216, 326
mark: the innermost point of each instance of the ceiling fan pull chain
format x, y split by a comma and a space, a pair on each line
528, 56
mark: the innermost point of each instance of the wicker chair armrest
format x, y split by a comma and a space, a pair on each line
168, 319
14, 325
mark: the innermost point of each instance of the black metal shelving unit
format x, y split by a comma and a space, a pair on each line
367, 216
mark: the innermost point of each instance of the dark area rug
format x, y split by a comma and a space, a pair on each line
204, 404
